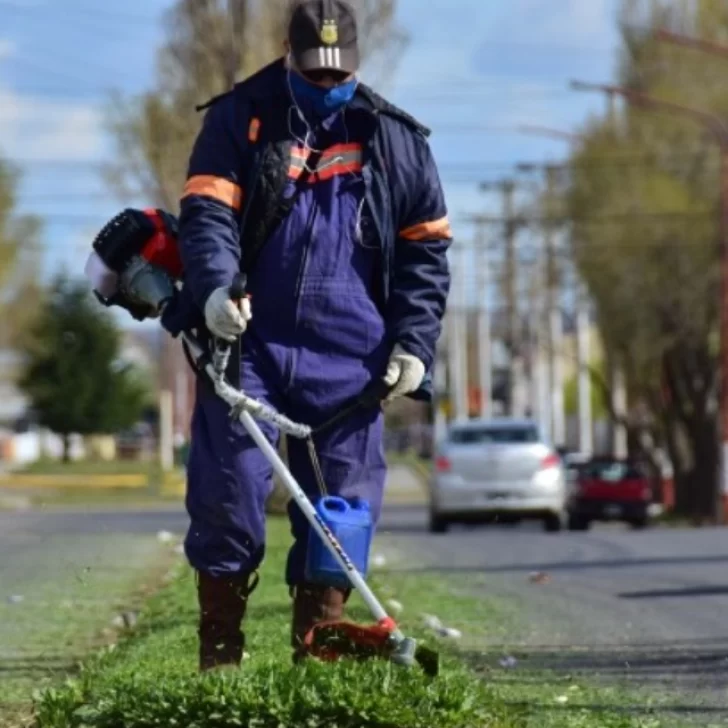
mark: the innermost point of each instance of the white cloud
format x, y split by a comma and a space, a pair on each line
591, 21
7, 48
576, 22
48, 129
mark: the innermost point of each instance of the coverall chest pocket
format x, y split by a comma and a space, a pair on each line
337, 306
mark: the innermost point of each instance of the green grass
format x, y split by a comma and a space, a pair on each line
59, 597
150, 679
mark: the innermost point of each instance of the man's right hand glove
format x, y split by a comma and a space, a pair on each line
225, 318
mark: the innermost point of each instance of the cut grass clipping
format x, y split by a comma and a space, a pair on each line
150, 678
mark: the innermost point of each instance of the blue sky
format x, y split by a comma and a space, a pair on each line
474, 70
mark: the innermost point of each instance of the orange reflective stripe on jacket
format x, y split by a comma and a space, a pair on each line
218, 188
433, 230
336, 160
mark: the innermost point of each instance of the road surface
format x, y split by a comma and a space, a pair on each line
646, 608
649, 608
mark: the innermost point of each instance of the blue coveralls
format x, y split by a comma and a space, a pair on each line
315, 341
319, 333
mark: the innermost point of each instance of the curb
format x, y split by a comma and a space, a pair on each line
22, 480
91, 482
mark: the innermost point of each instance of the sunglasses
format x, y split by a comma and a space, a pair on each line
322, 74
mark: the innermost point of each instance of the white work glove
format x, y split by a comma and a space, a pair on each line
225, 318
405, 373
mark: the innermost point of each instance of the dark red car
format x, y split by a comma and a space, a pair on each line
608, 489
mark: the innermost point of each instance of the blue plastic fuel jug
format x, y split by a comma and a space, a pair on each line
351, 523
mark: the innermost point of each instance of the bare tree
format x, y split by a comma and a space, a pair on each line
210, 45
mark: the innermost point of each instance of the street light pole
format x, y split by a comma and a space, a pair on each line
484, 338
719, 129
457, 338
553, 322
583, 322
510, 279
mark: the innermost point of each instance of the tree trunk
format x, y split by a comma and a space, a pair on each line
696, 487
66, 448
704, 476
683, 494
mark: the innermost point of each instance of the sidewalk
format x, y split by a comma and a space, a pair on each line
405, 486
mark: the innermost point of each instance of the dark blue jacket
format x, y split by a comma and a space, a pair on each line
242, 150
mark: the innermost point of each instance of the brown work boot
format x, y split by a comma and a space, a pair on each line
222, 602
312, 604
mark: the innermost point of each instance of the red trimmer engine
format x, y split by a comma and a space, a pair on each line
136, 251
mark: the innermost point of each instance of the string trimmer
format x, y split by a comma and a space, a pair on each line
327, 640
135, 260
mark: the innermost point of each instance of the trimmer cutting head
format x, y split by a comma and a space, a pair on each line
330, 641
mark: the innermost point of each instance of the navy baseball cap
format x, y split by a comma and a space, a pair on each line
323, 36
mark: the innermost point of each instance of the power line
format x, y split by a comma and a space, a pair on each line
628, 159
592, 219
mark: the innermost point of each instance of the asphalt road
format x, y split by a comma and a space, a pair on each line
65, 576
642, 608
647, 608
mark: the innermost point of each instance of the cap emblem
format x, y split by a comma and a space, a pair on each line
329, 32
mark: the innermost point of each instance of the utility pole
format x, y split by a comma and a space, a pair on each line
540, 400
485, 357
440, 393
457, 339
583, 328
620, 447
555, 317
507, 187
552, 321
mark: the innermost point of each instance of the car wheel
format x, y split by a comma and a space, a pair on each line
438, 524
553, 523
579, 523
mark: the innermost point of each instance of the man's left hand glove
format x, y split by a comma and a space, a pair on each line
405, 373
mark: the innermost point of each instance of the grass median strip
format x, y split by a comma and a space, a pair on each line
58, 597
150, 678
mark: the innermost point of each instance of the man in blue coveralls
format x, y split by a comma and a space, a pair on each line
328, 198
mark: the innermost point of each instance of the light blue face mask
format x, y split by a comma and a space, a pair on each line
322, 101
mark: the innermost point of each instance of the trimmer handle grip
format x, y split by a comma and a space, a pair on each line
238, 288
223, 348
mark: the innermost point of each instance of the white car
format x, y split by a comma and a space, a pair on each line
497, 470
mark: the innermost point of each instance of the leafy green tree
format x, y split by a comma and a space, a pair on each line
18, 259
642, 201
599, 406
74, 376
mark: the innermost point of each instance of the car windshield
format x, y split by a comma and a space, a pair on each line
610, 471
493, 434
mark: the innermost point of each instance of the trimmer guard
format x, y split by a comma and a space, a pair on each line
330, 641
